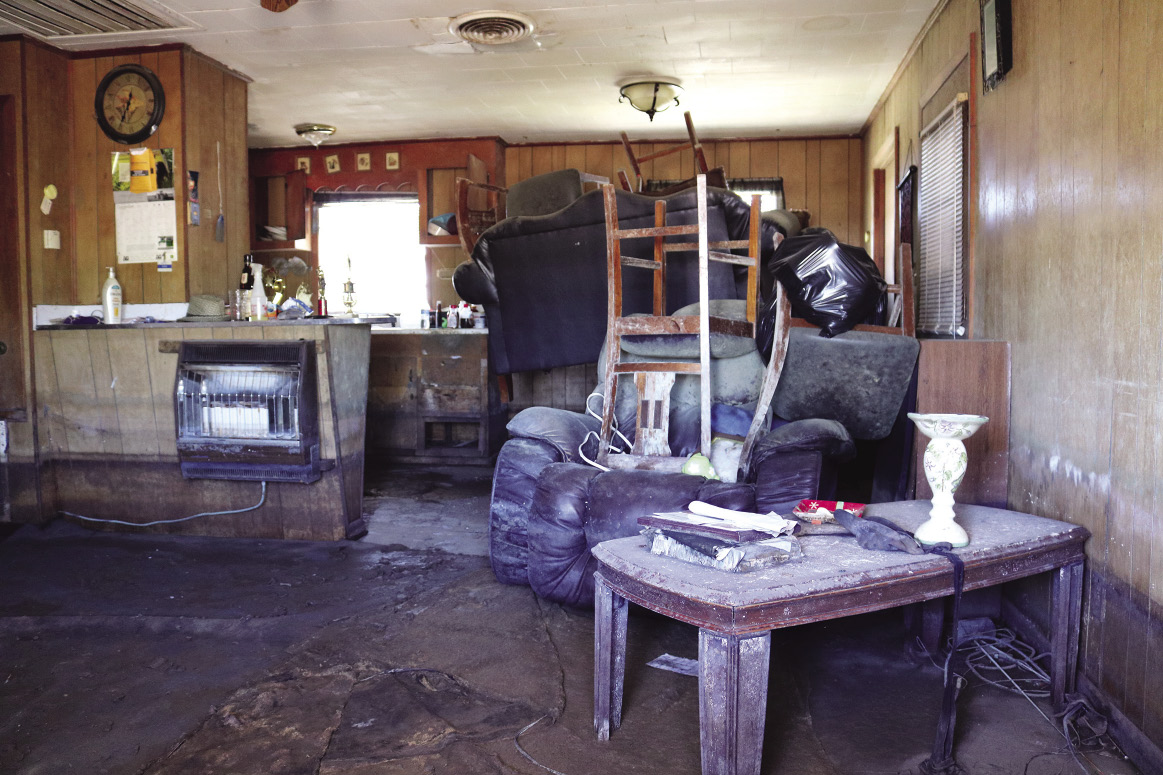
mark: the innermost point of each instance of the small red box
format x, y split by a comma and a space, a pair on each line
818, 511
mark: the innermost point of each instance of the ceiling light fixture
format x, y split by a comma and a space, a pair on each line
651, 96
314, 133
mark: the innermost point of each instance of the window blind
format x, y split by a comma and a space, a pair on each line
941, 302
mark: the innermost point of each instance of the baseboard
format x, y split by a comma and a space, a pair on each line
1147, 756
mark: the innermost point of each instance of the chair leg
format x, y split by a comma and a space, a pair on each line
609, 396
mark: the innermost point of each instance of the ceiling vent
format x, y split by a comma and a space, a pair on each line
72, 18
490, 28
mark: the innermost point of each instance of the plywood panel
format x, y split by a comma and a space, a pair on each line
171, 286
764, 159
46, 73
90, 274
738, 159
793, 166
812, 189
833, 187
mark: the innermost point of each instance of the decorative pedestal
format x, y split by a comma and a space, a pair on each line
945, 464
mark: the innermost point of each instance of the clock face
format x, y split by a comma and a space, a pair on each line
129, 103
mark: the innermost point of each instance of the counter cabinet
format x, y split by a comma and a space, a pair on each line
431, 398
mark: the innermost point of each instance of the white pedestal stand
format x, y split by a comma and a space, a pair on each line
945, 464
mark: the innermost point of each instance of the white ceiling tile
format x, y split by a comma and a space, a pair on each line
819, 65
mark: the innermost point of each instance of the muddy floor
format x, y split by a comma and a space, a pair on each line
400, 653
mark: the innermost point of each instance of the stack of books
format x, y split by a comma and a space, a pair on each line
718, 542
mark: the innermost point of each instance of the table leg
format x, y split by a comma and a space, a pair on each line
1066, 606
609, 657
732, 701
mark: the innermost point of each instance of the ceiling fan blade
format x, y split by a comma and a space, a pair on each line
277, 5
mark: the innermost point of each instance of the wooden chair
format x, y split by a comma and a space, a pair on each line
716, 177
478, 206
654, 380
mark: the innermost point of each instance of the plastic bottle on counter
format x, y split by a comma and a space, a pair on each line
464, 315
111, 299
258, 296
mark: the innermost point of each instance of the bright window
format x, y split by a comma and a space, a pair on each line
379, 235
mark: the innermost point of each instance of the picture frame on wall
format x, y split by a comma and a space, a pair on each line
996, 42
906, 195
303, 163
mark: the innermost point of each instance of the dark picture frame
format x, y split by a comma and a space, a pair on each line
906, 192
996, 42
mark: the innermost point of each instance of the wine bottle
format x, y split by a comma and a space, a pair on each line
247, 281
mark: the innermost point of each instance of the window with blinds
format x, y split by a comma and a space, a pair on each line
940, 281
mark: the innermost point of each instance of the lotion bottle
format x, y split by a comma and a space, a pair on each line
111, 299
258, 296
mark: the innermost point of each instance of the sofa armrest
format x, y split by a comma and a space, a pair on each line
563, 430
828, 437
519, 464
472, 284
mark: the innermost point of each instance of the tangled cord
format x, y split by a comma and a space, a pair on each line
585, 440
990, 657
1002, 660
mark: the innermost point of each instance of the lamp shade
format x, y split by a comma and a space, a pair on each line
651, 96
314, 133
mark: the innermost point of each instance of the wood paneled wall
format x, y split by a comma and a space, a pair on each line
822, 175
214, 116
35, 155
1069, 269
205, 119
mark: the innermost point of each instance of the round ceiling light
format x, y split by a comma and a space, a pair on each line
314, 133
650, 94
491, 28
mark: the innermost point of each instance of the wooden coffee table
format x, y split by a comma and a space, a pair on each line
735, 613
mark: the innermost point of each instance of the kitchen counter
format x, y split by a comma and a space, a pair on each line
108, 439
379, 329
331, 321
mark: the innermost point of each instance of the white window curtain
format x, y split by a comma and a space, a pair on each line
941, 302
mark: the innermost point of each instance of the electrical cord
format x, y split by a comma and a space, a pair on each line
581, 447
989, 654
261, 501
523, 752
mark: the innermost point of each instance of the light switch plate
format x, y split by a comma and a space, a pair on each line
52, 239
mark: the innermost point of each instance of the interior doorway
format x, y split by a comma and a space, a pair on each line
885, 228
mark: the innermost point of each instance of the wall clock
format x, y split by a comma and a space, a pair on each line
129, 103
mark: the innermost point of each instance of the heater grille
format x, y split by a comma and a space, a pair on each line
236, 402
247, 410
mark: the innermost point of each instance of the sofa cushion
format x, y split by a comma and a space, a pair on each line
561, 429
859, 378
687, 347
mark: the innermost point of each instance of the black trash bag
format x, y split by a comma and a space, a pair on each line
830, 284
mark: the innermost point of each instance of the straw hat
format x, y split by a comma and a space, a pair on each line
205, 308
